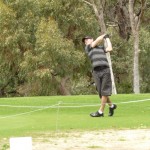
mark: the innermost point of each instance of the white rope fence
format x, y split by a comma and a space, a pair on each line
58, 106
29, 112
72, 105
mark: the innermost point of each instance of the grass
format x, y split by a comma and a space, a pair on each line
28, 121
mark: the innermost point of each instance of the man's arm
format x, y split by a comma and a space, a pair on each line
98, 40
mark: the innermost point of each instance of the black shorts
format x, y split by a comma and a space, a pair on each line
103, 81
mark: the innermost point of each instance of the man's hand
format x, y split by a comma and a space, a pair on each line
98, 40
106, 36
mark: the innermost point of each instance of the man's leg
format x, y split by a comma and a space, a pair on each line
104, 100
109, 102
111, 107
100, 113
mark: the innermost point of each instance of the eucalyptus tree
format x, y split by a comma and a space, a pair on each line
65, 57
40, 45
135, 19
16, 38
8, 50
126, 16
54, 58
45, 61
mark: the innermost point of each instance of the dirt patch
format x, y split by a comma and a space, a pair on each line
96, 140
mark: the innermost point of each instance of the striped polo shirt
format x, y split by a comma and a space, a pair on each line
97, 56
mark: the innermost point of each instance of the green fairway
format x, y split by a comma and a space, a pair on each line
32, 115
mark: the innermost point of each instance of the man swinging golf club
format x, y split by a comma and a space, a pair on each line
101, 70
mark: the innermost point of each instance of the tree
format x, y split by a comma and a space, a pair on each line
135, 19
17, 37
53, 59
8, 51
29, 70
33, 62
120, 16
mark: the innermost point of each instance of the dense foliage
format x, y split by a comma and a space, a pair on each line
41, 52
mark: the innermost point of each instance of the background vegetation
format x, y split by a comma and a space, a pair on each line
41, 52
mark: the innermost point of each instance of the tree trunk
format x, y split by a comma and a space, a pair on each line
63, 87
135, 23
122, 19
136, 83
